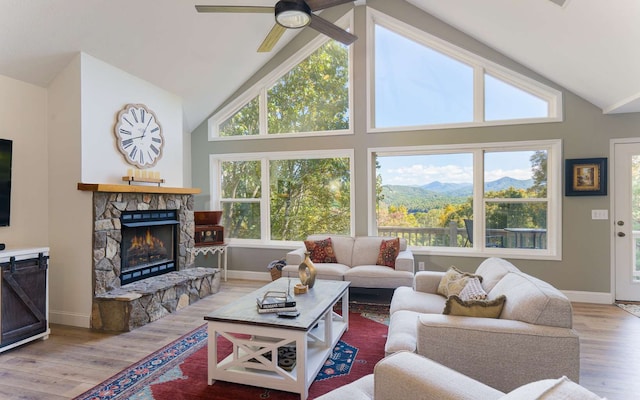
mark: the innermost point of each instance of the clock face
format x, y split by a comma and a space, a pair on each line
139, 135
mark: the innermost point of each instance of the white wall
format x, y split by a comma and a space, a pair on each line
105, 91
23, 119
84, 100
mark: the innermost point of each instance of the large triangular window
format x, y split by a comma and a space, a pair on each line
308, 95
421, 82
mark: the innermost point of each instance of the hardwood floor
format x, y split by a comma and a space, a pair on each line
74, 360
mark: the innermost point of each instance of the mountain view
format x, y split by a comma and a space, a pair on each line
437, 194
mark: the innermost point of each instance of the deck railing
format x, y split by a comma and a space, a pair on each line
454, 236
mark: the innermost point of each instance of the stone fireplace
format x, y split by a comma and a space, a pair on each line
143, 259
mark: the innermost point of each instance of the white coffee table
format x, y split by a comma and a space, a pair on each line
256, 337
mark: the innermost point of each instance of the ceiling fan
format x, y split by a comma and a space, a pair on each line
291, 14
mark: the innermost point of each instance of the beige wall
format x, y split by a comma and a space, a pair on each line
23, 119
585, 265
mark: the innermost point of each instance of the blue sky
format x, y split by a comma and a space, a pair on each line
415, 85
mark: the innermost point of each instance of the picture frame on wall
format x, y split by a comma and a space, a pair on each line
585, 177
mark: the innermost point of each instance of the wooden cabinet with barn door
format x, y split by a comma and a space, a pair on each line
24, 303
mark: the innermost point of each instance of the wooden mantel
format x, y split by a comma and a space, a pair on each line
114, 188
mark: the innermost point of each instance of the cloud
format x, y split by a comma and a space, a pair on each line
418, 174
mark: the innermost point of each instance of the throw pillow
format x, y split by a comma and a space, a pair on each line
388, 253
454, 281
321, 251
474, 308
473, 290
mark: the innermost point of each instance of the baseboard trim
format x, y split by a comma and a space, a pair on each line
574, 296
65, 318
589, 297
249, 275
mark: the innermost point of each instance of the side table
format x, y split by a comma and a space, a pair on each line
220, 249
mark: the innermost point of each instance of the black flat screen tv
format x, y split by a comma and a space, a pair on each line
6, 147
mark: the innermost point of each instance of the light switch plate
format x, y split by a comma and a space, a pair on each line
599, 214
421, 265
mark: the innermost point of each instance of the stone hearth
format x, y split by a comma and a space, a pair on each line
119, 307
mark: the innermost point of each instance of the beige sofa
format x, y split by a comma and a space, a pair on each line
356, 258
531, 340
407, 375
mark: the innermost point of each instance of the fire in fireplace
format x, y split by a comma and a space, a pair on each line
148, 246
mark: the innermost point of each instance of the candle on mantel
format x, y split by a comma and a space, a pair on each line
130, 172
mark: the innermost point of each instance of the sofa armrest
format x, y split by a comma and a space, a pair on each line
405, 262
406, 375
295, 257
427, 281
501, 353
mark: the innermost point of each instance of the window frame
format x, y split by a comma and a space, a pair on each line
265, 210
553, 199
480, 65
262, 86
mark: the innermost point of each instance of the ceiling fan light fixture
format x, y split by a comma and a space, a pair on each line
293, 14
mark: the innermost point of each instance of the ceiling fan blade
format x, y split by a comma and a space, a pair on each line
272, 38
333, 31
316, 5
235, 9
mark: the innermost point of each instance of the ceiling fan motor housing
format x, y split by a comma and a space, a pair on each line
293, 14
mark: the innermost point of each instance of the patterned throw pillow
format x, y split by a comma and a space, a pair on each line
321, 251
474, 308
388, 253
473, 290
454, 281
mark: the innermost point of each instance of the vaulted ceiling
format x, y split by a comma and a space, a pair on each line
587, 46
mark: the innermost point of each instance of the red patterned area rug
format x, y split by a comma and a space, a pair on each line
179, 370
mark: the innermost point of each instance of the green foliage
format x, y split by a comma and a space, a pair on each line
244, 122
313, 96
309, 196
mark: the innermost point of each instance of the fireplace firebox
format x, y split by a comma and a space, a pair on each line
149, 244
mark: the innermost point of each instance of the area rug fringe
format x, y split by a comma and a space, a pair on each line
143, 372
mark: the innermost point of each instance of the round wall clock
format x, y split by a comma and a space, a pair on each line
139, 135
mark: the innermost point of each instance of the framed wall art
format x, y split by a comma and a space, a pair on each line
585, 177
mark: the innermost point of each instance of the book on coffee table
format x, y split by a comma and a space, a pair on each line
276, 310
274, 299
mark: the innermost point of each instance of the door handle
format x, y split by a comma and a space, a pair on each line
621, 234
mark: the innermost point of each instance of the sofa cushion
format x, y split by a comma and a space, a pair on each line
377, 276
474, 308
333, 272
366, 249
388, 252
533, 301
551, 389
454, 281
405, 298
492, 270
321, 251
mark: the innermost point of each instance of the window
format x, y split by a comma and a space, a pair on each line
308, 94
422, 82
305, 194
441, 198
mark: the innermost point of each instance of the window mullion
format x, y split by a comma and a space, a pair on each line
262, 112
478, 198
478, 94
265, 207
